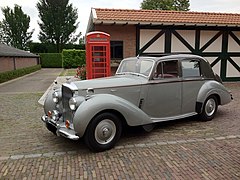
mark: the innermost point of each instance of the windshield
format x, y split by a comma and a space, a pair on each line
135, 66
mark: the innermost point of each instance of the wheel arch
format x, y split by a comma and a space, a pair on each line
199, 105
210, 88
115, 112
218, 98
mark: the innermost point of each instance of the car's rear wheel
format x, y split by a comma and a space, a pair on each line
103, 132
209, 108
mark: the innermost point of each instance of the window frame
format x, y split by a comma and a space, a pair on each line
195, 76
112, 48
162, 69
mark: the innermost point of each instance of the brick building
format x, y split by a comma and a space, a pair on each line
12, 58
215, 36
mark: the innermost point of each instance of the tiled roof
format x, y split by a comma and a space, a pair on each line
163, 17
14, 52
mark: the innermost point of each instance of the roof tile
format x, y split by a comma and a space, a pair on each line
160, 16
14, 52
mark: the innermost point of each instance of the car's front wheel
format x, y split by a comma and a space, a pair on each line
209, 108
103, 132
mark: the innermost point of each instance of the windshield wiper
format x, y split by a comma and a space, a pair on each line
129, 73
120, 73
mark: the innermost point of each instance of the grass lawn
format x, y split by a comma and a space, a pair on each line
68, 72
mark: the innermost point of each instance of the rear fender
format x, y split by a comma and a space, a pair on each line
133, 115
213, 88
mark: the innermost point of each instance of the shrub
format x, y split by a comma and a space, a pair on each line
73, 58
42, 48
81, 72
6, 76
51, 60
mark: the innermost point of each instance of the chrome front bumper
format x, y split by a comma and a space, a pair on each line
59, 129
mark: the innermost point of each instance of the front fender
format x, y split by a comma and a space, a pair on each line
88, 109
49, 105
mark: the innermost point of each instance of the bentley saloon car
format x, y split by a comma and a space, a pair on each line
144, 91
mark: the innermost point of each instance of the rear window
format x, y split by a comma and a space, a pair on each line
191, 68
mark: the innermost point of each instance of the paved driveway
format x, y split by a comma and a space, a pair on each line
184, 149
35, 82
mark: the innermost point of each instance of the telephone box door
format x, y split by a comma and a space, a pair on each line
98, 55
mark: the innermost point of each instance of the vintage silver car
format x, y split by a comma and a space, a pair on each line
144, 91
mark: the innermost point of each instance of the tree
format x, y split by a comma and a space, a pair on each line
14, 26
1, 33
176, 5
58, 22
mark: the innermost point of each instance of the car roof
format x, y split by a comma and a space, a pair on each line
206, 67
172, 56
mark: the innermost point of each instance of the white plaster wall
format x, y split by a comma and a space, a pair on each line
216, 46
146, 35
188, 35
231, 70
232, 45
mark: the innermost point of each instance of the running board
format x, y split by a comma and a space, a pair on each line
155, 120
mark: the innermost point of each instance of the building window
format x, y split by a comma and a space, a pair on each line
116, 50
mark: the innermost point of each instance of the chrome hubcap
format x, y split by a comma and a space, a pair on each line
105, 131
210, 107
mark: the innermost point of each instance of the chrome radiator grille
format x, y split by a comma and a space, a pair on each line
66, 95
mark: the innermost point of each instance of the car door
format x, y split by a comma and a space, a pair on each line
192, 81
163, 98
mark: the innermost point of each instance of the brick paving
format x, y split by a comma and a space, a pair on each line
183, 149
202, 160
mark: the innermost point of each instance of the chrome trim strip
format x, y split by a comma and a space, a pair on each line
154, 120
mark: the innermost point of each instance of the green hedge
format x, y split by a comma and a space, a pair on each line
6, 76
37, 48
73, 58
51, 60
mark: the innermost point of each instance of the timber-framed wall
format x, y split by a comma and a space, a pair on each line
220, 45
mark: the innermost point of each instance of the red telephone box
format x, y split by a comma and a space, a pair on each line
98, 55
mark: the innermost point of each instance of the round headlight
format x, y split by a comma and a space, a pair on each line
73, 104
55, 97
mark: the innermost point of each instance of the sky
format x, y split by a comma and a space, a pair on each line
84, 9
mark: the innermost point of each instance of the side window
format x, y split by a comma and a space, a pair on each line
191, 68
167, 69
